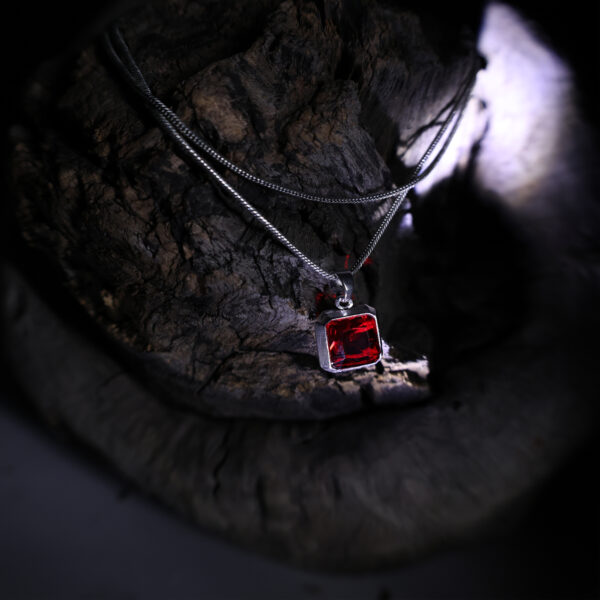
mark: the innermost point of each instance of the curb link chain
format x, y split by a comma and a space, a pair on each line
186, 139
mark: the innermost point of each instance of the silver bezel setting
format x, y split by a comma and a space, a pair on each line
321, 335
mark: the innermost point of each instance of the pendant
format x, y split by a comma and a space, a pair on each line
348, 338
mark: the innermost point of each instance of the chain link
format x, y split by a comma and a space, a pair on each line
189, 142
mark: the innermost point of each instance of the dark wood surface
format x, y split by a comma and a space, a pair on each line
168, 308
314, 98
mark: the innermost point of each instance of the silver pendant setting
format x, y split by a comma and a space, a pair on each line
348, 338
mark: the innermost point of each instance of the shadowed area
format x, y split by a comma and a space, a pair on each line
180, 344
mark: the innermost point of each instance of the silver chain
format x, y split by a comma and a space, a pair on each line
186, 139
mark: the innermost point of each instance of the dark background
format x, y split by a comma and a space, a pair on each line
72, 528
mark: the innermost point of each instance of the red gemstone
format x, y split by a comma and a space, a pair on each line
353, 341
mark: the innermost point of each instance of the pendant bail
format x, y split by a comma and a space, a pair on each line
347, 280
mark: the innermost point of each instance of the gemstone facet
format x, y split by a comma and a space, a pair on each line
348, 339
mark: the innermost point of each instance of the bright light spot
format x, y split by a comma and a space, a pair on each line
522, 110
528, 92
406, 222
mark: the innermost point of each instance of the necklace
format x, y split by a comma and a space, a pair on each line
348, 337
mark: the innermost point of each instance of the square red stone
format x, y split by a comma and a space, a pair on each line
353, 341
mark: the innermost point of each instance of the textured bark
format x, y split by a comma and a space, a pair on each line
311, 97
364, 492
180, 309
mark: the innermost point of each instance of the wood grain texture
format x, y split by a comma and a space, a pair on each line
365, 492
311, 96
177, 337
